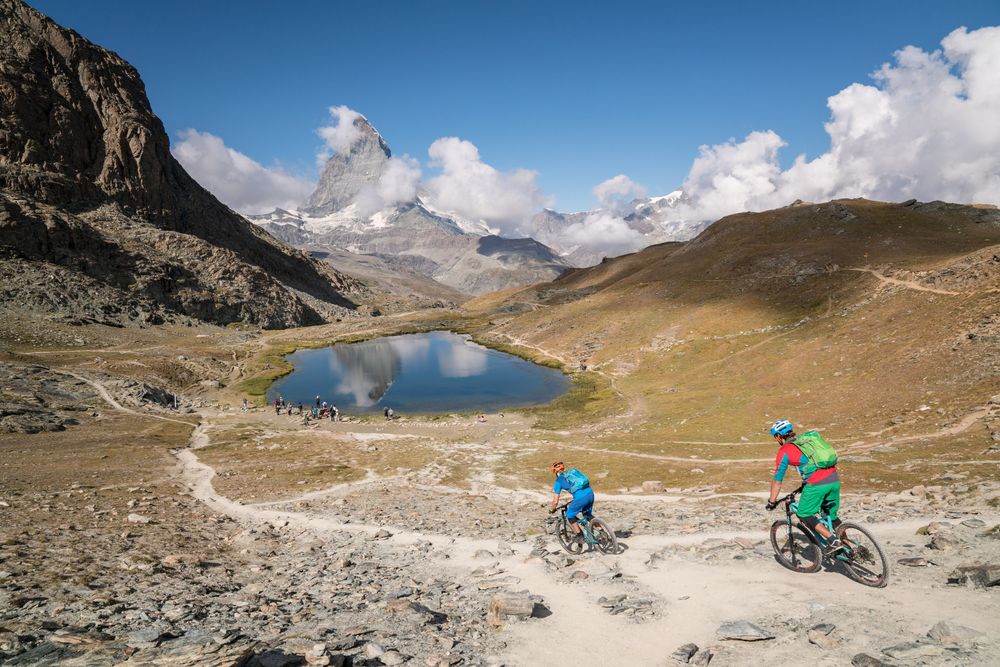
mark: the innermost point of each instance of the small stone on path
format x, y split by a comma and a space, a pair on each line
822, 635
684, 653
914, 562
743, 631
911, 651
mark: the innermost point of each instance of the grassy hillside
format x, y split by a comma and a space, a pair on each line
872, 321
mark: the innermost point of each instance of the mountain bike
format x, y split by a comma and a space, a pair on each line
595, 533
800, 549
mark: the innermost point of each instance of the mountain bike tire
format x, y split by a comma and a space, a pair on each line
566, 538
808, 557
606, 541
866, 563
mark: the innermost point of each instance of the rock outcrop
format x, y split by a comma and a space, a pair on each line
88, 188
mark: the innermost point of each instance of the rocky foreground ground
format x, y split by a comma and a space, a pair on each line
116, 547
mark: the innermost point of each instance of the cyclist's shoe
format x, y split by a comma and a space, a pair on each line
834, 547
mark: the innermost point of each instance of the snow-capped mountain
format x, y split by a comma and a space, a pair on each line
411, 237
347, 172
655, 219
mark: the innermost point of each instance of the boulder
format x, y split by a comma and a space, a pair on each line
506, 605
947, 632
945, 542
980, 576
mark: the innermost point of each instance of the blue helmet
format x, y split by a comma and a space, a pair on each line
782, 427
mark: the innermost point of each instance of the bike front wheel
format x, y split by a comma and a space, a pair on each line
567, 538
864, 560
606, 541
795, 548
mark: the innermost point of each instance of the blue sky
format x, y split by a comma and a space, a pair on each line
577, 91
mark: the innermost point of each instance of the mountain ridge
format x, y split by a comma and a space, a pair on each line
87, 182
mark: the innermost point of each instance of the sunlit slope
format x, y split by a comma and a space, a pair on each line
849, 315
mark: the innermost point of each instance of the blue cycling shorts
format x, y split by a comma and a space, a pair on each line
583, 501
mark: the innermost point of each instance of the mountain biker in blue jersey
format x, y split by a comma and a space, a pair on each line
576, 484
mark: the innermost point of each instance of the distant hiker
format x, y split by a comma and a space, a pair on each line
816, 461
315, 413
389, 414
334, 414
290, 410
300, 408
277, 408
246, 405
317, 400
386, 412
577, 484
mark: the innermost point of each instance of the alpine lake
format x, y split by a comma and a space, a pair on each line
425, 373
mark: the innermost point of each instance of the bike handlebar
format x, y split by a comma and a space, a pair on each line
791, 496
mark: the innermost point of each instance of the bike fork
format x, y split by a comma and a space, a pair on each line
791, 544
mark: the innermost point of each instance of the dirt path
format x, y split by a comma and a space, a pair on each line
106, 396
694, 597
909, 284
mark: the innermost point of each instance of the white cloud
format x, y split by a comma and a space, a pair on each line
615, 193
473, 189
397, 185
462, 361
929, 128
340, 136
238, 181
605, 232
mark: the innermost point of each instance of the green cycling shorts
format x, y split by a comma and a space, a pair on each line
820, 498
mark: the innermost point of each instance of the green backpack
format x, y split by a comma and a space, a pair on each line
820, 452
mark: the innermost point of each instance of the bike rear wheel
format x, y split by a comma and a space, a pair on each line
863, 559
606, 541
796, 550
567, 538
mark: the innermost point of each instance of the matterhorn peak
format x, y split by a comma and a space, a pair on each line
347, 171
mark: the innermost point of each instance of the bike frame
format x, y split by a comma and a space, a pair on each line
588, 535
791, 507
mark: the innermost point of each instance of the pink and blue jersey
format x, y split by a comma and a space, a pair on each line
789, 454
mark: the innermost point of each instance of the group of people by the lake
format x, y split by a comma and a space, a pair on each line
321, 410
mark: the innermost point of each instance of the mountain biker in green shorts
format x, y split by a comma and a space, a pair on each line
822, 485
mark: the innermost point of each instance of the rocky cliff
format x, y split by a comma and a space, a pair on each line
91, 198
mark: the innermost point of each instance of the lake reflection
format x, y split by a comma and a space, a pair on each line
432, 372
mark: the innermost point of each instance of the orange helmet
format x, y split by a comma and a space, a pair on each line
555, 467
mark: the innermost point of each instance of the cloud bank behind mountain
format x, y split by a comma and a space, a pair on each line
925, 126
